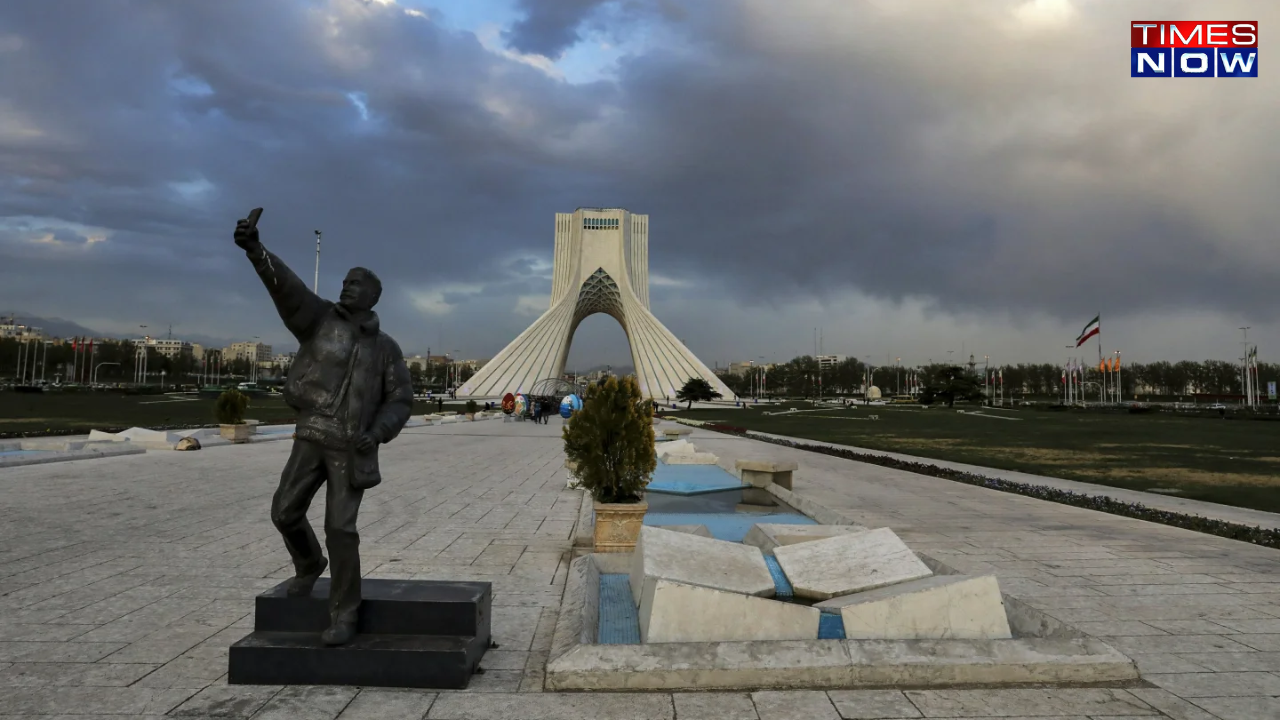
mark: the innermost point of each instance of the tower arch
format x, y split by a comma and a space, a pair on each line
601, 265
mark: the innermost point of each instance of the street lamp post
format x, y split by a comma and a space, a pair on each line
140, 365
1119, 386
986, 377
1244, 366
93, 376
315, 287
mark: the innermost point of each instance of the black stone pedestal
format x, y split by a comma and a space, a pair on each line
411, 633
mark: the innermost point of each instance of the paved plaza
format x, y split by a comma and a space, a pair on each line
124, 580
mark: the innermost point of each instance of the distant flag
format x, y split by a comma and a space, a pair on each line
1115, 366
1093, 328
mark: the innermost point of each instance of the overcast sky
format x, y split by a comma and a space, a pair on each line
913, 177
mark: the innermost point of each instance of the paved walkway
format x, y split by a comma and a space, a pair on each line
124, 580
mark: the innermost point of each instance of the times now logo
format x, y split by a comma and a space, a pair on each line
1161, 48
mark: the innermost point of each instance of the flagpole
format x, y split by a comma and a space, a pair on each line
1104, 374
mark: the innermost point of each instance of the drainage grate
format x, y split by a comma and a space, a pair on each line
619, 622
830, 626
782, 586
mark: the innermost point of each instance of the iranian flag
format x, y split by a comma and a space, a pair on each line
1093, 328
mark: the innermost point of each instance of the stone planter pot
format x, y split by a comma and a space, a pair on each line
617, 526
236, 433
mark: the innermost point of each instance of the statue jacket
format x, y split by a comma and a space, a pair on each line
348, 376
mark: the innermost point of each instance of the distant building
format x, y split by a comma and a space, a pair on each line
284, 360
829, 361
741, 368
252, 351
197, 351
170, 348
16, 331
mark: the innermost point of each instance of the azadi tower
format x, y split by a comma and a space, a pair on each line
601, 266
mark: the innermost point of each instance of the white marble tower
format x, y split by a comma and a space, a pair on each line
601, 266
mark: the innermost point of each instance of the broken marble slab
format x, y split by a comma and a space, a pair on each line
676, 447
768, 536
699, 530
844, 564
676, 612
942, 607
694, 458
693, 560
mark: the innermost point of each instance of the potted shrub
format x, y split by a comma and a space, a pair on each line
471, 409
229, 409
608, 445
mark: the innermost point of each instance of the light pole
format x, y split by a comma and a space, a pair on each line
986, 377
1119, 386
315, 287
1244, 365
140, 370
253, 372
93, 376
44, 359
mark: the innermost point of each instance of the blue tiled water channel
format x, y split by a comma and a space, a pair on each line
696, 495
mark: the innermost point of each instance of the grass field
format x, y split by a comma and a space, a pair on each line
1235, 462
82, 412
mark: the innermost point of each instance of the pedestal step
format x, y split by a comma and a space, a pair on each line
389, 607
407, 661
410, 633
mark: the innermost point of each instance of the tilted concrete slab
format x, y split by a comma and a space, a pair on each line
768, 536
676, 612
676, 447
695, 458
766, 465
699, 530
942, 607
705, 562
845, 564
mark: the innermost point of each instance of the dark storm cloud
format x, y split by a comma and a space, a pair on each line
983, 156
549, 27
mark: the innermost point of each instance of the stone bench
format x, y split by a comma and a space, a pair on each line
759, 473
675, 433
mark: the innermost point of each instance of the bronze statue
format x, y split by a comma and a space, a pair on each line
352, 392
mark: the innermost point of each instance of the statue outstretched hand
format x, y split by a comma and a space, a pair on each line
247, 236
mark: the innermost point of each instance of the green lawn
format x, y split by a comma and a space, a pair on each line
1236, 462
82, 412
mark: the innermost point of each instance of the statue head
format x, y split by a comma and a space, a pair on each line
360, 289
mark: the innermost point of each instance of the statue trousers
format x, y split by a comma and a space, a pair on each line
310, 466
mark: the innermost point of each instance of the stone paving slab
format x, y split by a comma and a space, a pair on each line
156, 550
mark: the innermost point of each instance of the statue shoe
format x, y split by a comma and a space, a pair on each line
339, 633
301, 585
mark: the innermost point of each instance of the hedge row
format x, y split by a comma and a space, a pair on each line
1101, 503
